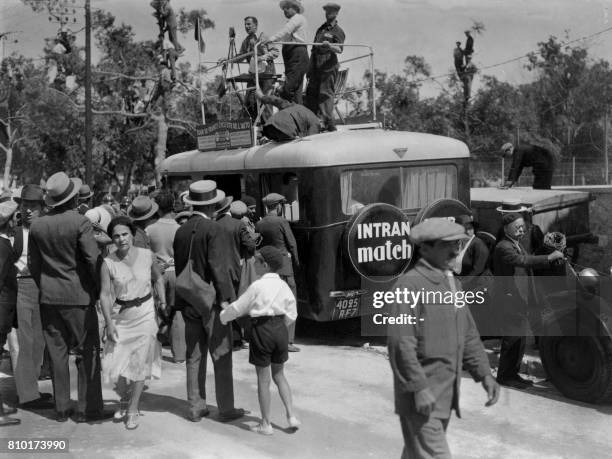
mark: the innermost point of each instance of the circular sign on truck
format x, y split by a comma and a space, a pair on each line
379, 244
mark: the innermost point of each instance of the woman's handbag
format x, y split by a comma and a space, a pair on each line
192, 288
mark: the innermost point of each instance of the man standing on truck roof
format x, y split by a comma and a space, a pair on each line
540, 159
323, 71
290, 122
275, 231
295, 56
264, 66
427, 358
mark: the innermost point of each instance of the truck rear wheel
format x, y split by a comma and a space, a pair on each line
580, 367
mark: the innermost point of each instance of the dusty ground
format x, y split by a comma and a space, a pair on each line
343, 395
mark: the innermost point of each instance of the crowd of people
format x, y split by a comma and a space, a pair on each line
110, 284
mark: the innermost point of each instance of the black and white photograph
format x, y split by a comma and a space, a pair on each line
306, 229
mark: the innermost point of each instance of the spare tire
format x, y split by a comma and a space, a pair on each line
443, 208
580, 367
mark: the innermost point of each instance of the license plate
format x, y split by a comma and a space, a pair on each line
346, 308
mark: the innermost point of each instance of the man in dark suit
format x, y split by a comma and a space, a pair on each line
541, 161
210, 253
64, 261
275, 231
242, 246
513, 292
29, 330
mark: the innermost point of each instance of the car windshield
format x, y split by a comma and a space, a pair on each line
404, 187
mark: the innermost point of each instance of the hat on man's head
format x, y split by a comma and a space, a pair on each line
184, 214
142, 208
510, 218
272, 199
99, 216
331, 6
224, 205
297, 4
465, 220
6, 195
434, 229
30, 192
272, 256
203, 193
512, 205
238, 209
249, 200
61, 189
85, 192
7, 209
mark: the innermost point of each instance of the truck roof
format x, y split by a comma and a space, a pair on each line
541, 200
343, 147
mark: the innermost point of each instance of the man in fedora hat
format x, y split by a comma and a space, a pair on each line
275, 231
63, 261
540, 159
85, 195
295, 55
210, 253
142, 211
242, 246
7, 294
427, 358
533, 239
30, 341
161, 236
514, 292
323, 70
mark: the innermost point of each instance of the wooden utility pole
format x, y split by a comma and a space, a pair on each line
88, 114
606, 165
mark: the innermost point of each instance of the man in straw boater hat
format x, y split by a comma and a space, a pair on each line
295, 56
142, 211
8, 293
540, 159
204, 331
427, 358
323, 71
64, 264
30, 351
514, 292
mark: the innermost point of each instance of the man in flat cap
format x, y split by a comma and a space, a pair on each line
540, 159
324, 66
514, 291
427, 358
275, 231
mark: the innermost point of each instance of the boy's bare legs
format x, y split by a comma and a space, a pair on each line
285, 393
263, 394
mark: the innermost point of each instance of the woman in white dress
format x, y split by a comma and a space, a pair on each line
132, 353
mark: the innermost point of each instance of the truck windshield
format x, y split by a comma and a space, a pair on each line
404, 187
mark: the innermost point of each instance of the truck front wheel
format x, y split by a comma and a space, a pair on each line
580, 367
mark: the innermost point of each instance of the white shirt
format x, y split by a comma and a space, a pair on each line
22, 263
268, 296
294, 30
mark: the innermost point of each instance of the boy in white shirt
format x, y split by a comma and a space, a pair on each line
271, 305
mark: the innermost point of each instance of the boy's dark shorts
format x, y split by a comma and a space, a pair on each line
269, 341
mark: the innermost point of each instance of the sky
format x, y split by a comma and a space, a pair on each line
394, 28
